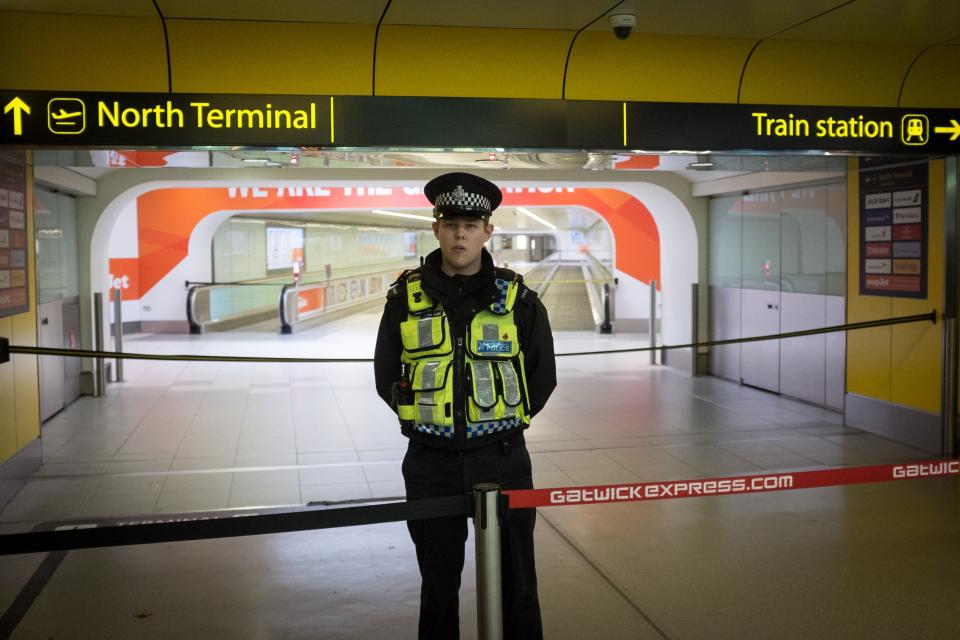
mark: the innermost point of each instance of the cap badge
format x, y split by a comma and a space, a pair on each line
459, 194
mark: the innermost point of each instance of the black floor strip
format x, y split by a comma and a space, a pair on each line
613, 585
30, 592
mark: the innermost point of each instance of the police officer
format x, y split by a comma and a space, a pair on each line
465, 357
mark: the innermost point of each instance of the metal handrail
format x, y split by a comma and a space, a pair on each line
357, 290
314, 277
599, 292
199, 317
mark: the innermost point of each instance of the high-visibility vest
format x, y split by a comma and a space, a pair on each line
479, 375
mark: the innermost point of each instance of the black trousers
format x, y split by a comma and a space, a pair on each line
432, 473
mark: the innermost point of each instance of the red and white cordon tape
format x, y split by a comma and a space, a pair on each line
700, 487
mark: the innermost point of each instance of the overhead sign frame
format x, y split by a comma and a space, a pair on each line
35, 119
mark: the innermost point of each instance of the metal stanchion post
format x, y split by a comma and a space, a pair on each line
98, 364
486, 526
951, 309
118, 331
949, 400
695, 330
653, 322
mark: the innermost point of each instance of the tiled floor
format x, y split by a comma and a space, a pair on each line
198, 436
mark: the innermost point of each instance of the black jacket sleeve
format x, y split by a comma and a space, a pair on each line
386, 356
539, 362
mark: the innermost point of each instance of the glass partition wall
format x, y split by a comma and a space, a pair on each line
778, 264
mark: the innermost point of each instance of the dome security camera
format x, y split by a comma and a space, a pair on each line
622, 24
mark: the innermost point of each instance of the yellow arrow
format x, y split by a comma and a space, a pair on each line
19, 107
954, 128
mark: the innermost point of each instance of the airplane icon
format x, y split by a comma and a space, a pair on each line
62, 116
66, 115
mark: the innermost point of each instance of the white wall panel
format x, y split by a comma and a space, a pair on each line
836, 352
50, 332
724, 325
803, 360
760, 361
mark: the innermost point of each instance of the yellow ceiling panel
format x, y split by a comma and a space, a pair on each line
528, 14
82, 53
826, 73
455, 61
140, 8
934, 79
656, 68
727, 18
275, 57
342, 11
887, 21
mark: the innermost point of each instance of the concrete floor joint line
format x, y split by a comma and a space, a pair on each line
613, 585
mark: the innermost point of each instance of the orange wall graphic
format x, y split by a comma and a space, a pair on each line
125, 275
138, 158
167, 217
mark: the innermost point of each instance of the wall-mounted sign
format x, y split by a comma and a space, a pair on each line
893, 228
14, 284
284, 248
49, 118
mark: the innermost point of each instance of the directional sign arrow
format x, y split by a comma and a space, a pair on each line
19, 107
954, 128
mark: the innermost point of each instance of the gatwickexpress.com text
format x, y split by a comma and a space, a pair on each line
678, 489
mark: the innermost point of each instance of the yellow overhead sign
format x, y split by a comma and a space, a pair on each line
202, 114
856, 126
953, 130
111, 120
19, 107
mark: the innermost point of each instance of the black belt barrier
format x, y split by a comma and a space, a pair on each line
193, 526
88, 353
232, 524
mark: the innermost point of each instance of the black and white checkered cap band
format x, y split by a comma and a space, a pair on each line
464, 199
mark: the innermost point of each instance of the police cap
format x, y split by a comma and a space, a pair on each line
462, 195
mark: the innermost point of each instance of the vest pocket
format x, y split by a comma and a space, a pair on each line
432, 387
483, 403
492, 337
426, 336
510, 382
495, 392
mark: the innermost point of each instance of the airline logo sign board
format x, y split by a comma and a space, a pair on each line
893, 228
14, 280
48, 118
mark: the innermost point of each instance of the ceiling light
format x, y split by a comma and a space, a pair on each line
530, 214
702, 163
492, 160
412, 216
